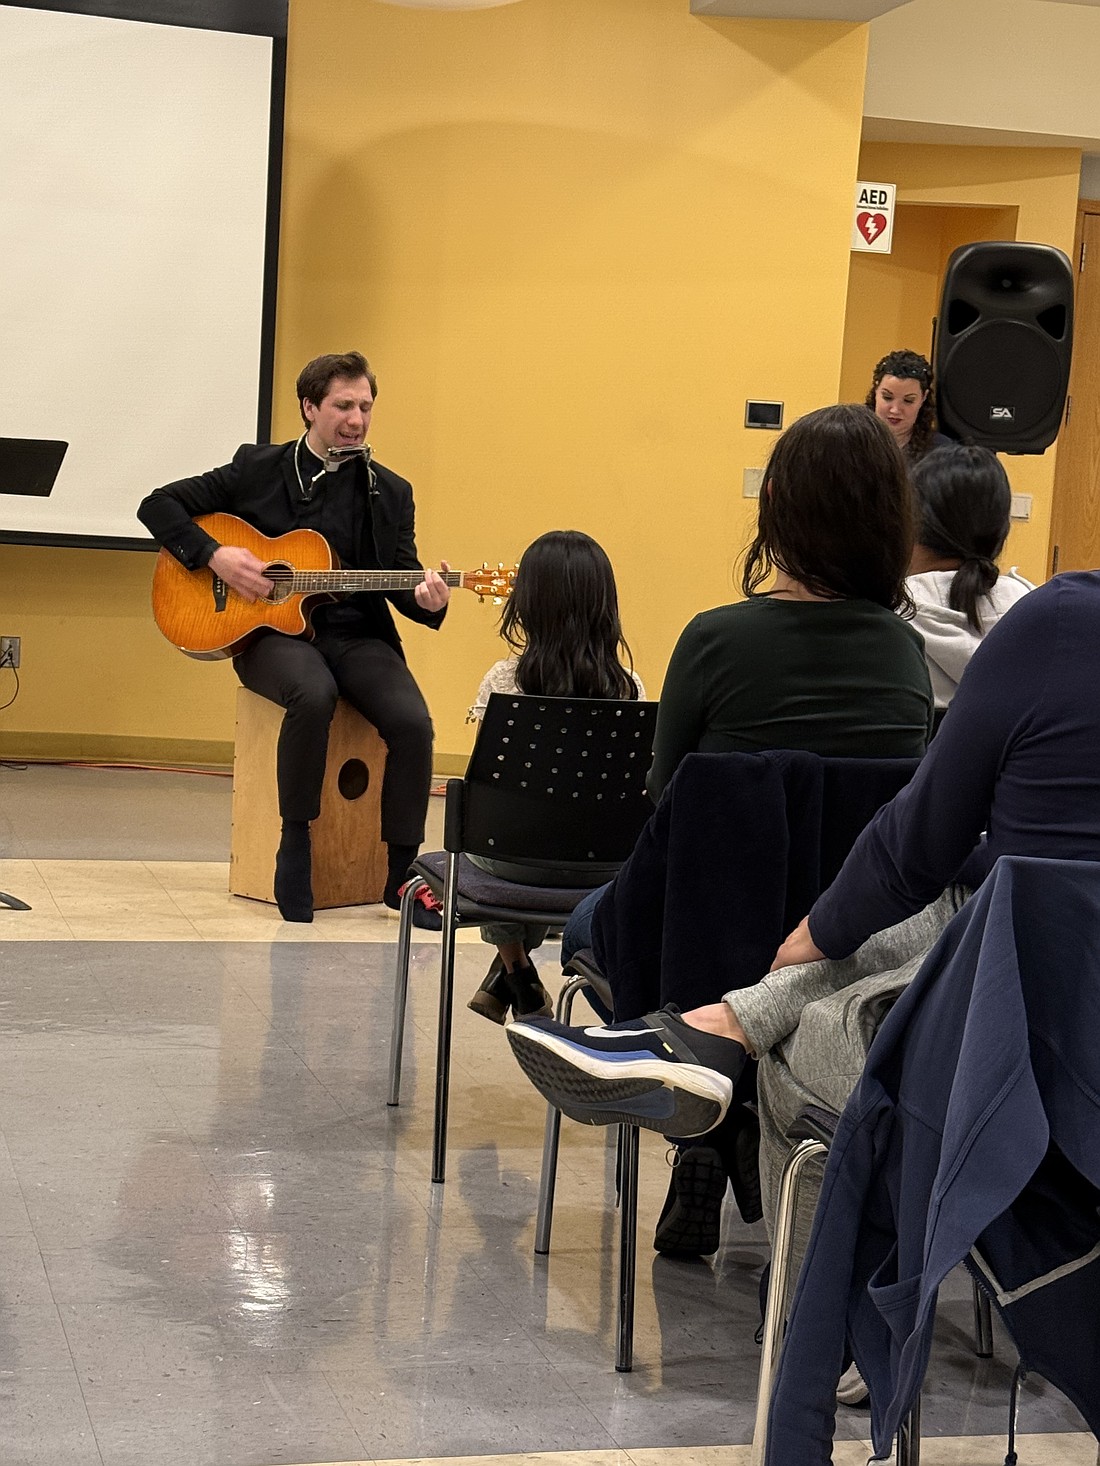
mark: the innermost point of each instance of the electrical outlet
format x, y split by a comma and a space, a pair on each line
9, 651
752, 480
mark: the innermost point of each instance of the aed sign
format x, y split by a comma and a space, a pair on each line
873, 225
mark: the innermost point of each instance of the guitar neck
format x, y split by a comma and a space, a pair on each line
352, 580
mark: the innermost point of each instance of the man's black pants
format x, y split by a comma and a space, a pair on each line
306, 678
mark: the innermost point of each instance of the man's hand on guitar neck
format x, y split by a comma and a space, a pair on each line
240, 569
433, 592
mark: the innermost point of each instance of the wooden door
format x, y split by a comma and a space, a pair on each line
1075, 518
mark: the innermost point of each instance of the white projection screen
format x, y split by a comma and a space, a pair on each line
139, 168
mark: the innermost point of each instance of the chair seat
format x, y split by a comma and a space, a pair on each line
482, 896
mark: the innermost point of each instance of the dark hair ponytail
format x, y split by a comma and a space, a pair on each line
964, 503
562, 620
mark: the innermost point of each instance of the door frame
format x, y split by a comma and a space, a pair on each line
1085, 207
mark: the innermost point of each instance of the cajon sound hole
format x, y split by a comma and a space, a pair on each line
353, 779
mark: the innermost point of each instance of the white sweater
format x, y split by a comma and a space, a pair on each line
949, 639
501, 677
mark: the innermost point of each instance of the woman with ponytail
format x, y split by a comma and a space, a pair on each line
963, 502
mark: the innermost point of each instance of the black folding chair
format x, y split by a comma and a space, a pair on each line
555, 781
582, 975
714, 778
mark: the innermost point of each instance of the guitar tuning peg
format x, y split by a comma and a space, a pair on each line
484, 564
496, 600
500, 564
481, 600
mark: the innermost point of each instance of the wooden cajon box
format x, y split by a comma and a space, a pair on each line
349, 859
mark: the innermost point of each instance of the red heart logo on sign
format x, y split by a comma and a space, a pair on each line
870, 225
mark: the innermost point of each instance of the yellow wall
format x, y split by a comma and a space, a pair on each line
574, 236
949, 196
97, 679
591, 229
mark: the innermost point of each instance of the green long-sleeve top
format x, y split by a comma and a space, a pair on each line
840, 678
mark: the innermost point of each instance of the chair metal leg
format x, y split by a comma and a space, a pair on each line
552, 1134
547, 1180
908, 1440
775, 1309
446, 1013
401, 989
628, 1245
983, 1323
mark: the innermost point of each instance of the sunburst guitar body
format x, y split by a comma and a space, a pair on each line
207, 619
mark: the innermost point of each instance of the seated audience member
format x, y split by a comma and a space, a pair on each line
901, 395
963, 507
1013, 771
817, 661
562, 624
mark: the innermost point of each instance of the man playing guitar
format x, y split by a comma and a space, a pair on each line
325, 481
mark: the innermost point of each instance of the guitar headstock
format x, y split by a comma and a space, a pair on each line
496, 583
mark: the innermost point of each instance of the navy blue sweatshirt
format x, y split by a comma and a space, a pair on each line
1017, 757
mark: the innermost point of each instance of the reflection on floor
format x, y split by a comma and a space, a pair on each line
219, 1246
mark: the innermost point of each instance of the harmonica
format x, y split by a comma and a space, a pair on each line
334, 457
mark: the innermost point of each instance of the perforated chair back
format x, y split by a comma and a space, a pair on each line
558, 779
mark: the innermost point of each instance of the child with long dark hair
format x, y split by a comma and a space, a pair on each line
562, 625
963, 506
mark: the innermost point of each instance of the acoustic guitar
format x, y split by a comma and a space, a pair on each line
207, 619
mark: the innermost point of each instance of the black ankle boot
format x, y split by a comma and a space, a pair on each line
293, 872
494, 996
690, 1224
399, 857
529, 998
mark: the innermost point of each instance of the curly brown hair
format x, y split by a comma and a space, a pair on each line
906, 365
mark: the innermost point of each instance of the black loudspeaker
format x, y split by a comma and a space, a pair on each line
1003, 344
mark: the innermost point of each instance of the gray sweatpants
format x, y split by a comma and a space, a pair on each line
812, 1026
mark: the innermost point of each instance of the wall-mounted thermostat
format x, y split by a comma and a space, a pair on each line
764, 415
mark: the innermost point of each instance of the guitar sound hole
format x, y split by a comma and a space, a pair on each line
281, 574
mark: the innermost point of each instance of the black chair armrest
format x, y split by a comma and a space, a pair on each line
583, 964
814, 1123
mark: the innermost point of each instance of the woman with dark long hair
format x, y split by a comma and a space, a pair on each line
963, 502
901, 394
814, 658
816, 661
562, 625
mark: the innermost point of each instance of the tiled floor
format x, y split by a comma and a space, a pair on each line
219, 1246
